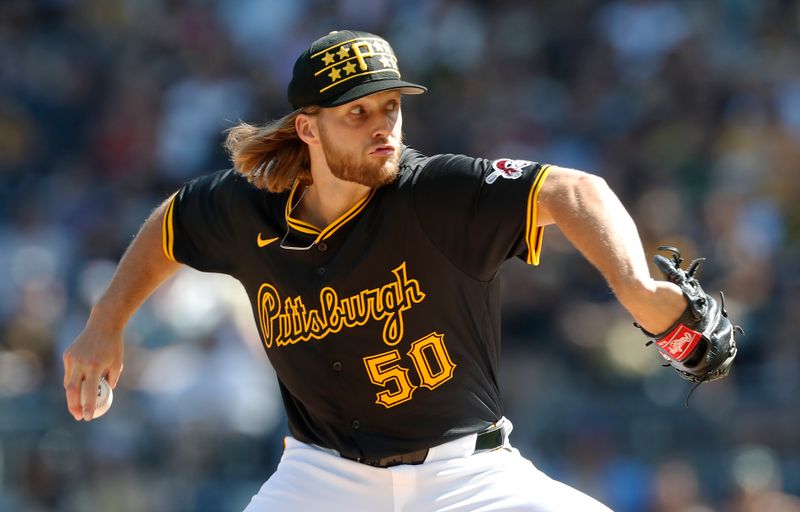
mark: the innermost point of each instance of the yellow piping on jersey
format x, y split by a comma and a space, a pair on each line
299, 225
167, 231
534, 233
303, 227
349, 214
310, 229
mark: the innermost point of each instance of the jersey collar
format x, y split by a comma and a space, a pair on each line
310, 229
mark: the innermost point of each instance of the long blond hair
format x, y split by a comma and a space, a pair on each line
271, 156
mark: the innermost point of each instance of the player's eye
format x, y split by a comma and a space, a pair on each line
357, 111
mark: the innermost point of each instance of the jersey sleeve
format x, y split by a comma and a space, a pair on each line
481, 212
198, 225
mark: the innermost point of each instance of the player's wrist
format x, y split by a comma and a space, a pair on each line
635, 291
656, 306
105, 320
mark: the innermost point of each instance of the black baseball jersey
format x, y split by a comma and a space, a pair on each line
384, 327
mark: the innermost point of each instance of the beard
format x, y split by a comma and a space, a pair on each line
358, 168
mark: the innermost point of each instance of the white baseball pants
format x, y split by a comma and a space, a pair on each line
451, 479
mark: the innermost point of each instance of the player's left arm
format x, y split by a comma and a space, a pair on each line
594, 220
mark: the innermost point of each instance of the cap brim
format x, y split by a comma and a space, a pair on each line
368, 88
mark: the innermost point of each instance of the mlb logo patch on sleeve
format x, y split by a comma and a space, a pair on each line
508, 169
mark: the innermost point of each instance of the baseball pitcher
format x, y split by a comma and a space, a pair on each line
372, 273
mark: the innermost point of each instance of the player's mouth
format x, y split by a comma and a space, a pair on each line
383, 150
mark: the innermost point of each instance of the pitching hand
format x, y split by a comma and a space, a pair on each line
96, 352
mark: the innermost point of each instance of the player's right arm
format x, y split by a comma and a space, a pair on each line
98, 350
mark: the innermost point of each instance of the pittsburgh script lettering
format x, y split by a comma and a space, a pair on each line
288, 321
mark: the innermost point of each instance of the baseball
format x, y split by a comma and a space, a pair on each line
105, 396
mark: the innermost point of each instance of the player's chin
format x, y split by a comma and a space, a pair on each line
384, 177
380, 175
390, 168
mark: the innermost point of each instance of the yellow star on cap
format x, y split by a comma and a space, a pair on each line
328, 58
343, 53
335, 74
349, 68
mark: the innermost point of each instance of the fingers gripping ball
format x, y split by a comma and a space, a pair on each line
105, 396
701, 345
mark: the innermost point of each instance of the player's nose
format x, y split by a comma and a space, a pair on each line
384, 124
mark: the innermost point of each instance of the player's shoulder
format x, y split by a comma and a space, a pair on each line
411, 161
453, 166
229, 190
228, 182
415, 166
223, 179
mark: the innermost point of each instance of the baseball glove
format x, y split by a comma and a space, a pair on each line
701, 345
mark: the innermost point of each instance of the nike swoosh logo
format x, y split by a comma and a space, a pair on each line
263, 243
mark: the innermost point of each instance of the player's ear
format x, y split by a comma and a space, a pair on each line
306, 127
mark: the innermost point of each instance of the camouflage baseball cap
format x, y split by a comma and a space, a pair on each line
343, 66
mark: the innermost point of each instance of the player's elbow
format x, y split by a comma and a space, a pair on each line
566, 191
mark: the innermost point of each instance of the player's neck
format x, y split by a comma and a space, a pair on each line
328, 198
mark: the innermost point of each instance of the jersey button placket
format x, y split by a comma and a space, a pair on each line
321, 259
356, 424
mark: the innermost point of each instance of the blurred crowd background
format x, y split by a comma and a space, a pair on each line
690, 110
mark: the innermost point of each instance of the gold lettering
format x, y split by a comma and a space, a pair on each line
433, 345
269, 305
367, 52
431, 360
285, 323
331, 309
410, 287
393, 309
370, 298
360, 310
348, 312
382, 372
389, 297
294, 322
317, 326
298, 309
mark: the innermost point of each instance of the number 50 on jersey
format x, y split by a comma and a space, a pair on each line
430, 360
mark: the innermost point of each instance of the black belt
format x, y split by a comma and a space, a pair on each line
490, 439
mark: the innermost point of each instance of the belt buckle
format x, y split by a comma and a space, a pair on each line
387, 462
413, 458
490, 439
